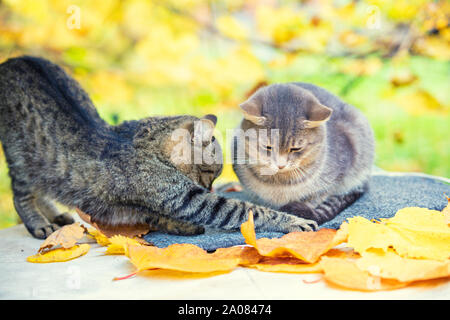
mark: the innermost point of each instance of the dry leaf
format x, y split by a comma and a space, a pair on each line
246, 255
60, 254
119, 244
345, 273
99, 237
412, 232
181, 257
294, 265
67, 237
390, 265
286, 264
307, 246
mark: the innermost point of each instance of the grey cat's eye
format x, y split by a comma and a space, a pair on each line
295, 149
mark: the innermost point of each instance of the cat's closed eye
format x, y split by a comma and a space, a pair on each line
296, 149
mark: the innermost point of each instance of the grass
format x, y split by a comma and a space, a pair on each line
409, 137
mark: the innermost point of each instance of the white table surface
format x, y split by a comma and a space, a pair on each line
91, 277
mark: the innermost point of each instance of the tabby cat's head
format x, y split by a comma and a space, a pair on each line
299, 118
186, 142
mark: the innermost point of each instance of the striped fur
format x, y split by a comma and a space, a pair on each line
59, 149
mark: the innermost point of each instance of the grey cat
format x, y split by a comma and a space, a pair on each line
320, 161
59, 149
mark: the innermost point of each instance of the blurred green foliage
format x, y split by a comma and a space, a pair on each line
139, 58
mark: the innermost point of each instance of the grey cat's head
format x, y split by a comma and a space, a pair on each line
186, 142
299, 118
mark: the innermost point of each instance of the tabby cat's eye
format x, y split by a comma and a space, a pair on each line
267, 148
295, 149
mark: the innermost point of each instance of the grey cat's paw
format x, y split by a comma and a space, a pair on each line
42, 231
63, 219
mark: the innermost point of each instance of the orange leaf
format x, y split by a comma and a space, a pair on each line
246, 255
345, 273
307, 246
181, 257
60, 254
294, 265
67, 237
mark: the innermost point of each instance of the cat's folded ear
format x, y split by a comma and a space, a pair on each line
203, 129
317, 115
252, 111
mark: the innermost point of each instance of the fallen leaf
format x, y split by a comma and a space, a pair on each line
412, 232
181, 257
345, 273
60, 254
118, 244
306, 246
392, 266
66, 237
294, 265
246, 255
286, 264
99, 237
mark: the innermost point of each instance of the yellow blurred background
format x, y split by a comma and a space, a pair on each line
137, 58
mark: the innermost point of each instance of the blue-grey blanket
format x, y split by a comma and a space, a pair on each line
387, 194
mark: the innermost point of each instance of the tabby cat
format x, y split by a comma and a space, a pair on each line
59, 149
313, 156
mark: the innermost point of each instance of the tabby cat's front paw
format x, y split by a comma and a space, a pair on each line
42, 231
300, 224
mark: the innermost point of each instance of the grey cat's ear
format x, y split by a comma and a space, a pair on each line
252, 112
204, 128
317, 115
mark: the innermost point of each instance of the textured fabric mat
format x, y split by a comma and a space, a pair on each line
387, 193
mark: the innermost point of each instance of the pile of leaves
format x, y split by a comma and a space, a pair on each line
392, 253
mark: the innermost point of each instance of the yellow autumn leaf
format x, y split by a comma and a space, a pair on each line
392, 266
118, 244
345, 273
412, 232
99, 237
181, 257
60, 254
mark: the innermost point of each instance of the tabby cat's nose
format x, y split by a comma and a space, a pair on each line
281, 166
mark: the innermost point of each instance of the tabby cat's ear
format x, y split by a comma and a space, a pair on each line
317, 115
252, 112
204, 128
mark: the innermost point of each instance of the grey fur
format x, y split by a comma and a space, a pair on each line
59, 149
332, 169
